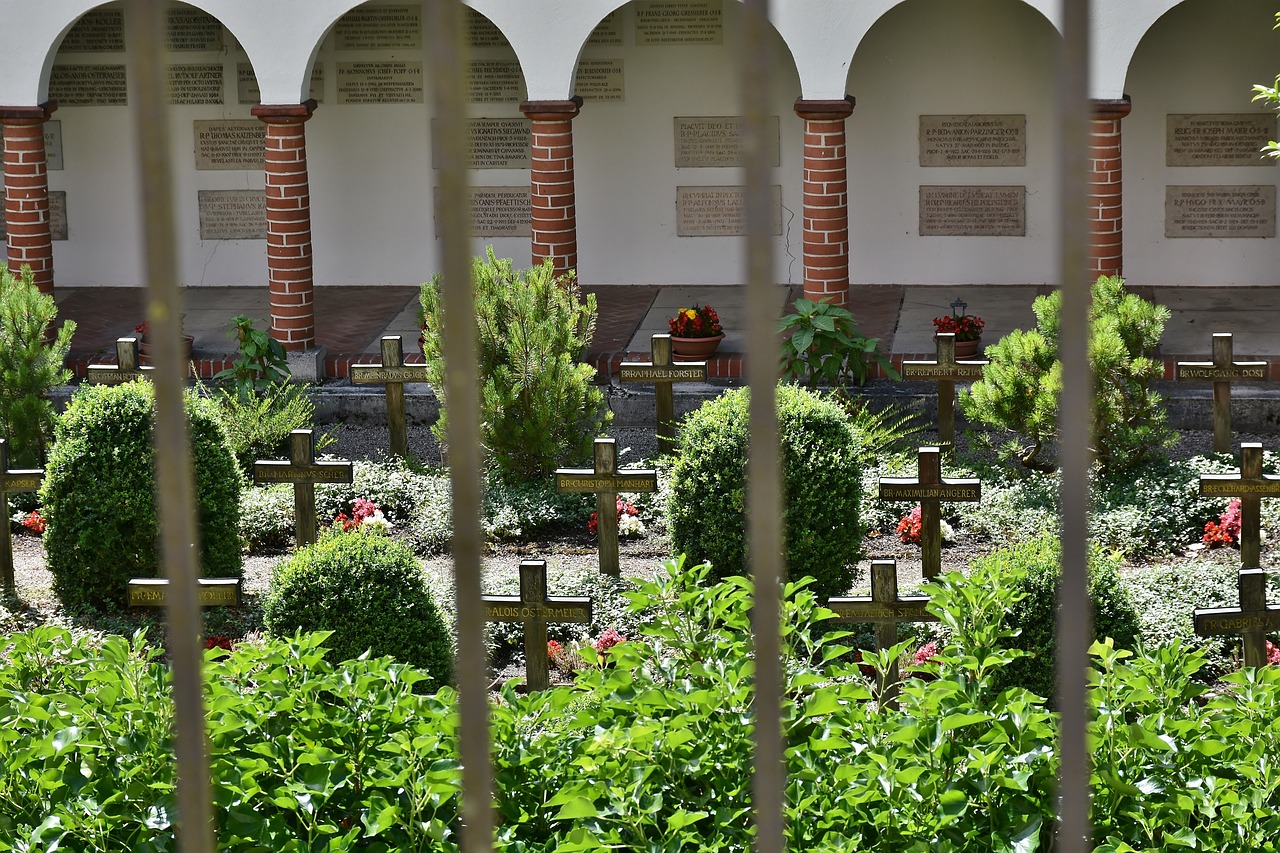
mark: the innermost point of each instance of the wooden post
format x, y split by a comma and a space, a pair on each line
393, 373
1222, 371
534, 608
662, 373
1252, 620
1251, 486
946, 371
304, 472
605, 481
126, 368
929, 489
24, 480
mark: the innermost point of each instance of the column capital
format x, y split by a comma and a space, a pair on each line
817, 110
565, 110
1110, 109
284, 113
28, 115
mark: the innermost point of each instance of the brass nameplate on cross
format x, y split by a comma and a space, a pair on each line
586, 481
212, 592
279, 471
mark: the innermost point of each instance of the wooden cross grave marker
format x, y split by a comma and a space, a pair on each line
392, 373
1251, 486
211, 592
946, 371
1252, 620
605, 481
663, 373
1221, 372
303, 471
885, 609
930, 489
126, 368
535, 609
23, 480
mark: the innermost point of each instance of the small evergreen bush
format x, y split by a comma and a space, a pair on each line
820, 453
258, 423
369, 591
29, 367
99, 495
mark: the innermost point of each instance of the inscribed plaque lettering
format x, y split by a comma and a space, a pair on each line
88, 86
247, 91
679, 22
719, 211
960, 211
98, 31
978, 140
195, 84
57, 216
53, 145
1218, 140
379, 82
230, 144
193, 29
1220, 211
494, 81
717, 141
599, 80
492, 143
233, 214
608, 32
380, 28
481, 32
497, 211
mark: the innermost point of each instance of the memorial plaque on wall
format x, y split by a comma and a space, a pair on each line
193, 29
53, 145
608, 32
981, 140
57, 216
380, 82
1213, 211
717, 141
380, 28
493, 81
600, 80
233, 214
481, 32
99, 31
719, 211
497, 211
973, 211
247, 91
1218, 140
88, 86
230, 144
679, 22
492, 143
195, 84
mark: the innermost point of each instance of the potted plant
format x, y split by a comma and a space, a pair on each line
144, 342
966, 327
695, 333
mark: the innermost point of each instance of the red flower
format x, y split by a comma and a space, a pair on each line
696, 323
1273, 653
217, 641
909, 527
1226, 530
554, 649
34, 522
925, 653
966, 327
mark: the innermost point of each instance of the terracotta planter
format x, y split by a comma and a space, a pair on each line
694, 349
144, 349
968, 349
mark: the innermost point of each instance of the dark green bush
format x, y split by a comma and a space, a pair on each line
99, 494
369, 591
258, 423
820, 454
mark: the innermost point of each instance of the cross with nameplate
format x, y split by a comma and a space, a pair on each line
885, 609
303, 471
535, 609
1251, 486
1252, 620
1221, 372
605, 481
946, 371
211, 592
392, 373
24, 480
930, 490
662, 373
126, 368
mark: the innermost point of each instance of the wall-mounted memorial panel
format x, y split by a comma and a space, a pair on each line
1218, 140
195, 84
193, 29
492, 143
661, 22
233, 214
481, 32
497, 211
88, 86
608, 32
380, 28
494, 81
57, 216
1220, 211
969, 211
600, 80
719, 211
389, 82
230, 144
712, 141
247, 91
97, 31
975, 140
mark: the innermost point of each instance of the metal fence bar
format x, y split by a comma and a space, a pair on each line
448, 85
174, 480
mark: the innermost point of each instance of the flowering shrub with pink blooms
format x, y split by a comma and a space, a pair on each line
1226, 530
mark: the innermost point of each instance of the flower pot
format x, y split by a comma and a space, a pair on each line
968, 349
144, 349
694, 349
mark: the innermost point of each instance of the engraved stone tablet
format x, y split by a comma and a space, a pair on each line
193, 29
981, 140
973, 211
88, 86
717, 141
599, 80
99, 31
679, 22
718, 211
247, 91
497, 211
1218, 140
492, 143
53, 145
1220, 211
195, 84
608, 32
233, 214
230, 144
379, 82
494, 81
57, 216
482, 32
380, 28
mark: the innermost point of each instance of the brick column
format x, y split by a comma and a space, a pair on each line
289, 271
551, 183
26, 192
826, 200
1106, 189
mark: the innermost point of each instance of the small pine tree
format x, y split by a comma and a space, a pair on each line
30, 365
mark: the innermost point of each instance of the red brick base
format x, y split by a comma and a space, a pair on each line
1106, 189
26, 192
826, 200
551, 182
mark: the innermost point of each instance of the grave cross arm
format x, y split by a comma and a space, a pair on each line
946, 371
126, 368
392, 373
1252, 620
304, 472
1251, 486
605, 481
535, 609
930, 490
211, 592
662, 373
1221, 371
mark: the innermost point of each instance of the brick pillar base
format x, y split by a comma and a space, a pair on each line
826, 200
26, 192
289, 260
551, 182
1106, 189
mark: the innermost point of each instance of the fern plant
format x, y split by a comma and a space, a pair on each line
31, 364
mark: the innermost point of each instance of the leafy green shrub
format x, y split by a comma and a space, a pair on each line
266, 517
369, 591
99, 494
821, 345
820, 473
258, 424
261, 363
539, 404
29, 366
1020, 387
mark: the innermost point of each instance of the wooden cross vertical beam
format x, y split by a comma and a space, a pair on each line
1252, 620
946, 371
24, 480
1222, 371
534, 608
126, 368
1251, 486
930, 490
605, 482
392, 373
303, 471
663, 373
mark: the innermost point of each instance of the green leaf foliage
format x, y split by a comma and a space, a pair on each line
260, 364
821, 345
258, 423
